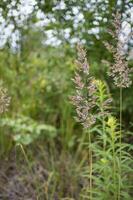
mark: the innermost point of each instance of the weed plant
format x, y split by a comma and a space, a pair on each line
109, 159
55, 163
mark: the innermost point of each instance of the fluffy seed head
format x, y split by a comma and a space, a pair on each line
84, 99
119, 71
4, 100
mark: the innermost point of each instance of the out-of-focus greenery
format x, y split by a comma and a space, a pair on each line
38, 76
39, 68
38, 73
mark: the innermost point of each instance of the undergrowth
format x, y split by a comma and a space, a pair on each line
88, 157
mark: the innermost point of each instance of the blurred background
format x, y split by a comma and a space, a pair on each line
38, 41
37, 51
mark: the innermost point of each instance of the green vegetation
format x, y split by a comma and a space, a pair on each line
49, 148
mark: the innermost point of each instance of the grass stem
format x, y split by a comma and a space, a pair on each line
120, 141
90, 163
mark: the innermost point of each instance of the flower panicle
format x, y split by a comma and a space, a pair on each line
81, 62
119, 71
84, 99
4, 100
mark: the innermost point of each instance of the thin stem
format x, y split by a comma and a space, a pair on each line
25, 157
1, 143
80, 145
29, 169
120, 120
104, 135
101, 97
90, 159
114, 166
120, 142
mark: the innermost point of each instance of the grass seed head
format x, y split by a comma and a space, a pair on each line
84, 99
119, 71
4, 100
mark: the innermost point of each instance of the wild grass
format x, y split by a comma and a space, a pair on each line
107, 178
55, 156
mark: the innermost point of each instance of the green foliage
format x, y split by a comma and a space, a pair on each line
38, 79
25, 130
106, 161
